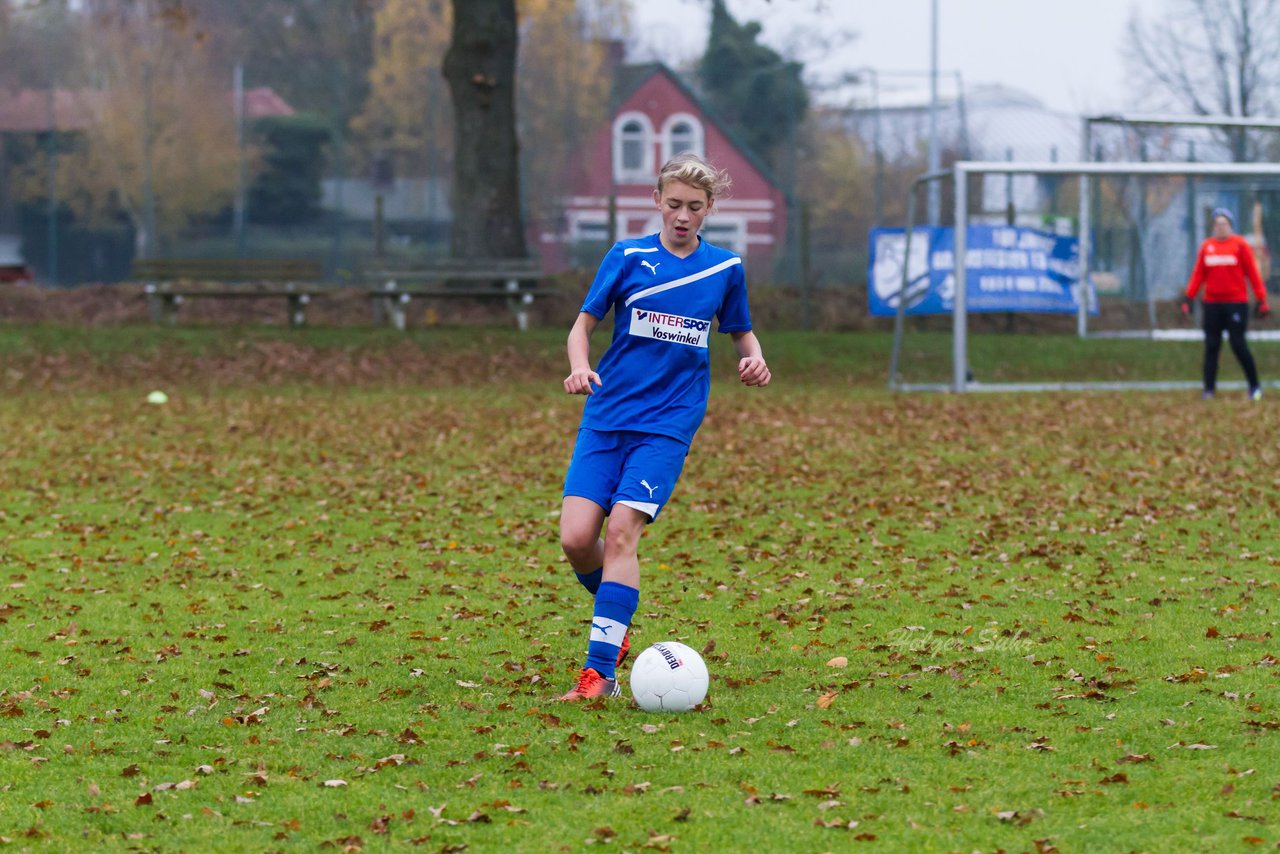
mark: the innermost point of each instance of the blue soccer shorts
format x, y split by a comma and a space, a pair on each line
623, 467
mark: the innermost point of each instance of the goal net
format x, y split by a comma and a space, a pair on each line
1132, 230
1145, 249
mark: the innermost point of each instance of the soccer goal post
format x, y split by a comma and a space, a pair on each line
959, 179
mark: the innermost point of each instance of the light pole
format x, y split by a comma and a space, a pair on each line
240, 206
52, 250
148, 179
935, 155
934, 142
51, 154
873, 78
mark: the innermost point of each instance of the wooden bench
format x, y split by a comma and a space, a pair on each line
512, 279
171, 281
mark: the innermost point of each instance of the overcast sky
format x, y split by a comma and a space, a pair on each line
1067, 53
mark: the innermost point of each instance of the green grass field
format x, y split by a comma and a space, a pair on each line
317, 601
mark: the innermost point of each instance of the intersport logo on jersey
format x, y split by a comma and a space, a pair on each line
670, 327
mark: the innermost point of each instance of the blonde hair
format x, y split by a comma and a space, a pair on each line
689, 168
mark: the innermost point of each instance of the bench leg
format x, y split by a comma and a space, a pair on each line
298, 310
520, 307
390, 308
155, 307
162, 307
398, 309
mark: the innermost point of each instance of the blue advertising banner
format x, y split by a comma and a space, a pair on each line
1009, 268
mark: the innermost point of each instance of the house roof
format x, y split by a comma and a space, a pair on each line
629, 78
27, 110
263, 101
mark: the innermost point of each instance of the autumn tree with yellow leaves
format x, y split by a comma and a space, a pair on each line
562, 90
160, 148
407, 116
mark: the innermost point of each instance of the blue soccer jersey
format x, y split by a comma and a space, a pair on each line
656, 374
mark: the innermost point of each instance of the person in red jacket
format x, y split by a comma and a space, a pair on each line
1224, 262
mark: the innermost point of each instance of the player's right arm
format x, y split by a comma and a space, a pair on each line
600, 297
579, 346
1197, 275
1194, 283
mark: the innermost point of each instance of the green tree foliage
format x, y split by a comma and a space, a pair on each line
98, 251
835, 181
287, 190
753, 89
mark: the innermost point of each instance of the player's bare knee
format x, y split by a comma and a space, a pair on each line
578, 541
622, 540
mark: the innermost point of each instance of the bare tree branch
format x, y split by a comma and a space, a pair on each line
1210, 57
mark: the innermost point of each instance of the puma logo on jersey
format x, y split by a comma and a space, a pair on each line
653, 268
646, 485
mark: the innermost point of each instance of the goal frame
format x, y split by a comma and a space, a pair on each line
959, 174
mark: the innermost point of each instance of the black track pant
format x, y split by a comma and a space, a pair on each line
1232, 318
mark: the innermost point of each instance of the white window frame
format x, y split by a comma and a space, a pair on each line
699, 146
646, 171
735, 228
652, 225
581, 221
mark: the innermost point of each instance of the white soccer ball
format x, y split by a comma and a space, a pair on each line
669, 677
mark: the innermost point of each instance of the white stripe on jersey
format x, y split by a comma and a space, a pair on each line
607, 631
633, 249
657, 289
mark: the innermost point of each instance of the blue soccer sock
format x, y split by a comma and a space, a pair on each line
615, 605
591, 580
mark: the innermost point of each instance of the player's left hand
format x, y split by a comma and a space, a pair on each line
753, 371
1263, 311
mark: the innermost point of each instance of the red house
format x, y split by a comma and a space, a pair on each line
655, 116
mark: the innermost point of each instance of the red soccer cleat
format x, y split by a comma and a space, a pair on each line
591, 685
624, 649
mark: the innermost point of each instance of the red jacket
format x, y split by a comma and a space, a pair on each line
1222, 267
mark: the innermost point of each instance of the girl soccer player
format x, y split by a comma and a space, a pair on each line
647, 398
1224, 262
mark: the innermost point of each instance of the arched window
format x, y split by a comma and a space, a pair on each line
682, 138
633, 143
633, 149
682, 132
